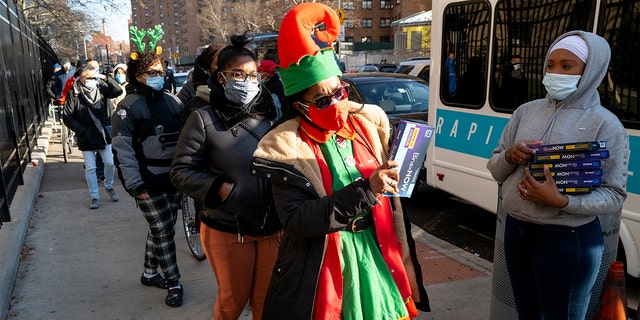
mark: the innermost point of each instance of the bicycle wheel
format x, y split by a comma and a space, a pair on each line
191, 222
65, 141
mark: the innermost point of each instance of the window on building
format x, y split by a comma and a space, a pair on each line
401, 40
162, 15
348, 5
385, 39
224, 9
175, 14
365, 39
385, 4
160, 6
385, 22
176, 23
349, 24
366, 23
175, 6
177, 31
367, 4
348, 39
397, 2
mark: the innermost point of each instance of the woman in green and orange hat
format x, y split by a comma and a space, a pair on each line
344, 252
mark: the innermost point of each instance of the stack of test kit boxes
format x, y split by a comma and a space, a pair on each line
575, 167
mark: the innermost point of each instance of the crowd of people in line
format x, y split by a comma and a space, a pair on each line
289, 176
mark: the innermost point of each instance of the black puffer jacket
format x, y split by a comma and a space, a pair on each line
216, 145
145, 130
77, 117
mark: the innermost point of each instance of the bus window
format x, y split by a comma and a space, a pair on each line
465, 43
522, 34
619, 90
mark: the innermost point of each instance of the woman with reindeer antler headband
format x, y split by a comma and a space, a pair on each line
145, 130
344, 252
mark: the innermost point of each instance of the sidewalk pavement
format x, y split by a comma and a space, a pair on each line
65, 261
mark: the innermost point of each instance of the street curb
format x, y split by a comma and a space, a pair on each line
451, 251
13, 233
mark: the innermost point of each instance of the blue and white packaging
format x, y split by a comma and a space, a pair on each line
409, 149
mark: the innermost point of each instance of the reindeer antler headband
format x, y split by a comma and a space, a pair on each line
137, 37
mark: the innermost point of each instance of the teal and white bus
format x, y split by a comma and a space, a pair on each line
484, 36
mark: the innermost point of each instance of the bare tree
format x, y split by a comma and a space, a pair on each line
65, 24
221, 18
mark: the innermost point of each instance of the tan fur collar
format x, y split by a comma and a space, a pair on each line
283, 144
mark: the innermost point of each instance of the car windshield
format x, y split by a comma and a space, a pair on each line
405, 69
396, 96
180, 79
388, 69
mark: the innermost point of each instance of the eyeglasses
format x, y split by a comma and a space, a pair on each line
155, 73
339, 94
242, 76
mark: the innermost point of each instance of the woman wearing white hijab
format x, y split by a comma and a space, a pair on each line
554, 241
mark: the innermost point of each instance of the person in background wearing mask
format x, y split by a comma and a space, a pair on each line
514, 83
120, 74
452, 73
145, 129
553, 242
271, 80
56, 83
84, 113
169, 78
240, 228
195, 92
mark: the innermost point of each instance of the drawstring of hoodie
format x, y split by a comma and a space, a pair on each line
552, 121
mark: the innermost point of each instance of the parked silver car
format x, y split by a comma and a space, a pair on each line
398, 95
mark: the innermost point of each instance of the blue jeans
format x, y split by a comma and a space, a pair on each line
90, 169
552, 268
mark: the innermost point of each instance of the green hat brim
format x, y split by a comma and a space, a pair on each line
309, 71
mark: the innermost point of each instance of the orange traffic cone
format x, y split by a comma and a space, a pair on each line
613, 303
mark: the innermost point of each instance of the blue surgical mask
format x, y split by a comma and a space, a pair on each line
560, 86
155, 83
91, 83
241, 92
121, 78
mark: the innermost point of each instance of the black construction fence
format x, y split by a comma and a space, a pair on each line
26, 62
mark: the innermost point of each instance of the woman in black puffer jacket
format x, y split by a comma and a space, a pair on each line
240, 229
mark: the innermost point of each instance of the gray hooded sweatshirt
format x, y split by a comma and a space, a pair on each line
579, 117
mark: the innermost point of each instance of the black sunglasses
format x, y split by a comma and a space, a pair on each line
326, 101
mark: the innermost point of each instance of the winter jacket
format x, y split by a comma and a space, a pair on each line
577, 118
200, 99
308, 215
77, 114
56, 83
211, 151
145, 132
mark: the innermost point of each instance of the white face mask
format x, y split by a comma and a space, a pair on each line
560, 86
91, 83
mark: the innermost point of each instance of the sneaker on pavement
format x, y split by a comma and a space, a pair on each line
113, 195
95, 204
